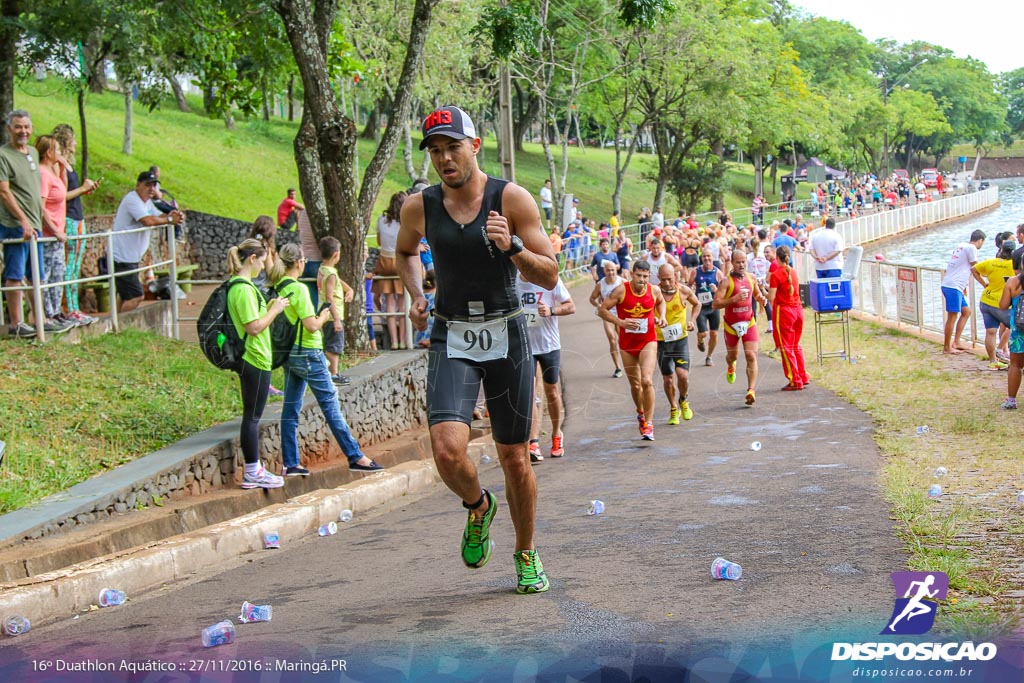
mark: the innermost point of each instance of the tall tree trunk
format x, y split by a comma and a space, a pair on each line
291, 98
410, 166
526, 118
621, 166
126, 141
372, 129
229, 121
266, 102
207, 99
718, 197
179, 93
9, 37
93, 54
331, 137
83, 133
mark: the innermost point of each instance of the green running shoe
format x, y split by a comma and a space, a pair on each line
685, 410
476, 539
530, 571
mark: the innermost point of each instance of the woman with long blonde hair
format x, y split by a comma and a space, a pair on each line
252, 316
74, 222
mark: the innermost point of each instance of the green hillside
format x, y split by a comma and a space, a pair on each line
245, 172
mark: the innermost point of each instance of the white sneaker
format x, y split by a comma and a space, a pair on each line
262, 479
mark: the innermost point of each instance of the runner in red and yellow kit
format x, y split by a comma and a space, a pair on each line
735, 298
640, 307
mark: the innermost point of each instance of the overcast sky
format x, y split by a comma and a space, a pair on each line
990, 32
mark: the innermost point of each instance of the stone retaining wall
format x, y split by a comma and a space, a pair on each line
386, 398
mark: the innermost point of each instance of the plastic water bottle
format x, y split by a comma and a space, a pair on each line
222, 633
271, 541
110, 597
755, 446
251, 613
722, 568
1020, 497
596, 507
934, 491
15, 626
923, 429
941, 471
328, 529
345, 516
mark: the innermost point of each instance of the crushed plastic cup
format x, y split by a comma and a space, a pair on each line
222, 633
941, 471
328, 529
934, 491
345, 516
16, 625
1020, 497
251, 613
755, 446
485, 459
923, 429
596, 507
271, 541
722, 568
110, 597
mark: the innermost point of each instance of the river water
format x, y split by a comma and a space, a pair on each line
932, 248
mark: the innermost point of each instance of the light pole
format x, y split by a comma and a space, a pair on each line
885, 108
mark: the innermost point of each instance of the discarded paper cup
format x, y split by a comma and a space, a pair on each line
596, 507
934, 491
345, 516
251, 613
941, 471
722, 568
755, 446
271, 541
328, 529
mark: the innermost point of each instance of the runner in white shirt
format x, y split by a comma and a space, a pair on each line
541, 306
602, 289
954, 285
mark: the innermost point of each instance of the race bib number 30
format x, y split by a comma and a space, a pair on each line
672, 332
478, 341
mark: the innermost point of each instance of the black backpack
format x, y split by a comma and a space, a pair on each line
217, 335
282, 332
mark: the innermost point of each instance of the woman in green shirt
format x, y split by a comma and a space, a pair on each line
307, 365
252, 317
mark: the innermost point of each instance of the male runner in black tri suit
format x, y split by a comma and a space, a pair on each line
481, 230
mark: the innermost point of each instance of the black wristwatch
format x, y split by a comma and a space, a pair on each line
517, 246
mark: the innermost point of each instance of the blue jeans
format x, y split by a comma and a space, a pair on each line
829, 272
309, 367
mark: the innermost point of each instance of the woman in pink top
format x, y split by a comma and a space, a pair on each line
54, 191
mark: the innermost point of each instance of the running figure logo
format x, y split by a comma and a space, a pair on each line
915, 609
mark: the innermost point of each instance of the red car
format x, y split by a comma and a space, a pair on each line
930, 177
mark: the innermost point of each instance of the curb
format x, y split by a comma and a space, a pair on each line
50, 597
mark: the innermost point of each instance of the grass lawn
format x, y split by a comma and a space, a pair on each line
244, 173
973, 532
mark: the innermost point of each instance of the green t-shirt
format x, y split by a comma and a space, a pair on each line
245, 304
996, 270
300, 307
22, 173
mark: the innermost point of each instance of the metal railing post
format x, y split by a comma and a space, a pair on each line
112, 293
35, 269
172, 246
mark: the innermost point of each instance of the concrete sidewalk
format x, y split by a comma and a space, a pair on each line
804, 516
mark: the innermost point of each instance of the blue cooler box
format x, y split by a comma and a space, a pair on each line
831, 294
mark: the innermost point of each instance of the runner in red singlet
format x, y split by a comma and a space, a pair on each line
640, 307
735, 298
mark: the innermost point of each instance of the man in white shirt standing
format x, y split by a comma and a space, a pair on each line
827, 246
658, 217
954, 290
541, 306
136, 210
546, 201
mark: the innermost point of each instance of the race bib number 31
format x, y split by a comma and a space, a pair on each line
478, 341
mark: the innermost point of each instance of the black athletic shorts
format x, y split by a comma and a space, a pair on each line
709, 318
550, 363
128, 286
672, 355
690, 259
453, 384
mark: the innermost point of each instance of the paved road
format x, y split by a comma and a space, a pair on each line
389, 593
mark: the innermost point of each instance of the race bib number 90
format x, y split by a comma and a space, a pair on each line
478, 341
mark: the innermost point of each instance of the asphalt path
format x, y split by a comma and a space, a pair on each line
389, 593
